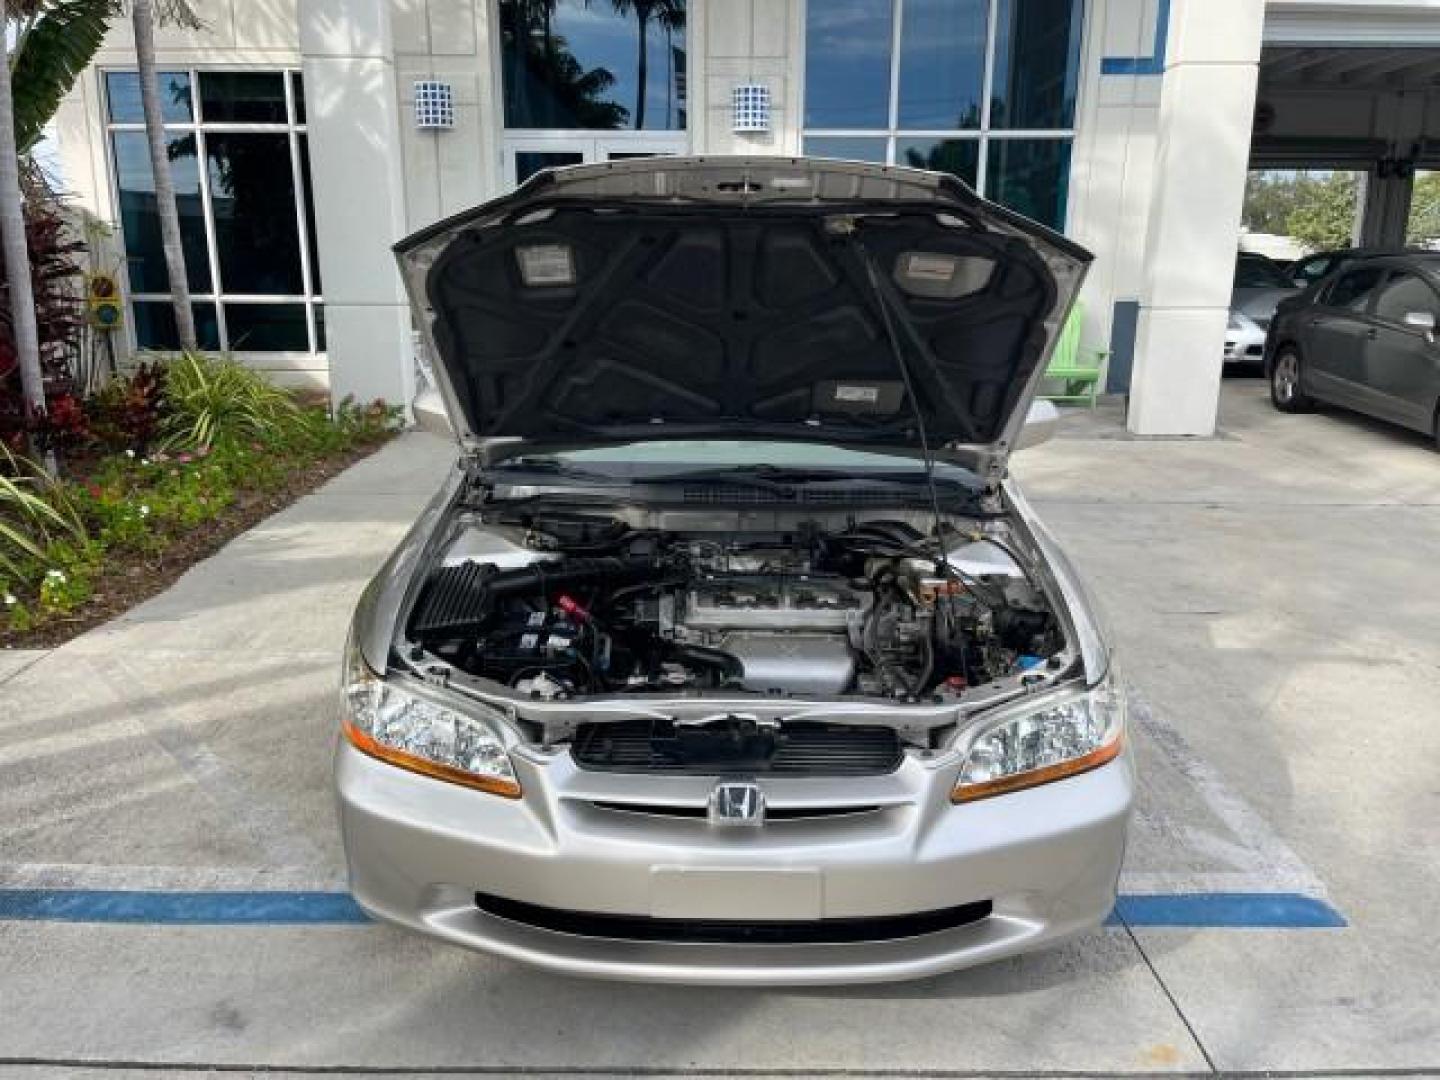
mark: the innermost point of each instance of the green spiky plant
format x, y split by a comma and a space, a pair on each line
33, 511
212, 401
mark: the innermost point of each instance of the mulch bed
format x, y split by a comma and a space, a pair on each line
131, 577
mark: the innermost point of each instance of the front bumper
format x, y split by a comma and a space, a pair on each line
603, 844
1245, 345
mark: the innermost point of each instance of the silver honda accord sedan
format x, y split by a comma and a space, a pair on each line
729, 652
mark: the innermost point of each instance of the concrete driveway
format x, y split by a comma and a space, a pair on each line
1276, 592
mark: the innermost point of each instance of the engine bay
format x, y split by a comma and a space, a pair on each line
570, 605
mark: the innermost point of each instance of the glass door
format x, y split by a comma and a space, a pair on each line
526, 153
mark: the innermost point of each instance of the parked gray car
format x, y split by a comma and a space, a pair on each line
729, 652
1364, 338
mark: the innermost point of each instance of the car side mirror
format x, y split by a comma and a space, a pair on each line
1041, 423
1420, 320
430, 413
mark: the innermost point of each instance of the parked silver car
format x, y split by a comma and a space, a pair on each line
729, 653
1259, 287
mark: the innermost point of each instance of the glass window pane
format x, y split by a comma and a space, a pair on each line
1037, 63
319, 327
123, 90
960, 157
155, 325
942, 63
250, 97
1352, 290
297, 90
304, 143
1031, 177
266, 327
1401, 295
529, 162
847, 63
140, 221
252, 194
845, 149
575, 64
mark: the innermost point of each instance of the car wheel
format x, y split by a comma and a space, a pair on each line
1285, 390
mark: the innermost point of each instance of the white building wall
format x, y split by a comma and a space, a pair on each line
455, 42
1206, 109
735, 42
1113, 157
352, 109
377, 177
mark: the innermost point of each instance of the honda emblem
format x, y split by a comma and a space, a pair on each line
737, 802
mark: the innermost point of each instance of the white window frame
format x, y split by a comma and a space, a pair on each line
293, 128
591, 145
984, 135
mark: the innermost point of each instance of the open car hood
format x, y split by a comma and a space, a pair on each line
731, 297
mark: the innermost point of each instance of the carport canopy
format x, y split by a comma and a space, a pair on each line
1360, 107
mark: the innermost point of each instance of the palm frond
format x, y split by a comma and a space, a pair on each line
57, 46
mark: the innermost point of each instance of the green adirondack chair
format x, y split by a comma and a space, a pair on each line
1074, 367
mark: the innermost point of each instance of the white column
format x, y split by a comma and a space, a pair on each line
355, 161
1206, 107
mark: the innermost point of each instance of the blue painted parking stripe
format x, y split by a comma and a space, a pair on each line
1278, 911
129, 906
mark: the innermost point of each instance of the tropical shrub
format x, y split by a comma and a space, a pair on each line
57, 280
215, 401
34, 512
125, 413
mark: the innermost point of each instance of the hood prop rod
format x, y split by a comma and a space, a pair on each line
896, 351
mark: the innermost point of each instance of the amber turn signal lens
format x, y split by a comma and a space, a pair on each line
366, 744
1002, 785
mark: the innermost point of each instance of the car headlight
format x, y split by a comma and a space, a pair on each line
1071, 733
389, 721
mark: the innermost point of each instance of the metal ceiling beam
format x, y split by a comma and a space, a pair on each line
1288, 62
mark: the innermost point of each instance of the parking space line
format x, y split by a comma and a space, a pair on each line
195, 908
1212, 911
1227, 911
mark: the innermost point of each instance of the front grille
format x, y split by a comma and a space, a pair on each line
772, 813
798, 749
733, 931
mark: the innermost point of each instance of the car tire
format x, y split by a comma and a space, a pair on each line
1285, 392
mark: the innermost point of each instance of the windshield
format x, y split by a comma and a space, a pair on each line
1258, 272
657, 458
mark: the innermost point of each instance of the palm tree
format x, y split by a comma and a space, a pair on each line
17, 252
142, 15
670, 14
